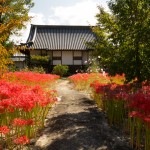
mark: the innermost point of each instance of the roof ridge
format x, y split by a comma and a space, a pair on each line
40, 25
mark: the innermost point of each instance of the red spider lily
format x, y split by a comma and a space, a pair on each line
147, 119
19, 122
4, 129
83, 80
10, 109
119, 100
5, 103
22, 122
46, 102
29, 122
135, 114
2, 110
77, 78
22, 140
23, 99
111, 91
117, 92
146, 89
140, 101
37, 90
31, 78
28, 99
8, 90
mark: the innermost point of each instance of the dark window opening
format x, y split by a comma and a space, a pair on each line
56, 58
77, 58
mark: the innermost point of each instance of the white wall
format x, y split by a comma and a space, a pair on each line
67, 58
77, 62
56, 54
56, 62
85, 57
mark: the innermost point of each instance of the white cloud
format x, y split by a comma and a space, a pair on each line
36, 19
82, 13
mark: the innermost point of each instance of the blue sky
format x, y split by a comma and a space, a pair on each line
62, 12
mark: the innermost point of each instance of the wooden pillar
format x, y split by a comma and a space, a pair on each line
82, 58
61, 57
73, 57
52, 57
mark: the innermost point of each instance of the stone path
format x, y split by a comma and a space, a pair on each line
75, 123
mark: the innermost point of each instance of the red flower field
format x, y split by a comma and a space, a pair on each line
125, 104
24, 102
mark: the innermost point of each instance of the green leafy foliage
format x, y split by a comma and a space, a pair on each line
60, 70
38, 69
13, 16
123, 38
40, 59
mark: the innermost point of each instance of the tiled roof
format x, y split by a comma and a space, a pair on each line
54, 37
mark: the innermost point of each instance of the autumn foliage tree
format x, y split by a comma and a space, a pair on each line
13, 15
123, 38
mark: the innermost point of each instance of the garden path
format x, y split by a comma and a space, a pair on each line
75, 123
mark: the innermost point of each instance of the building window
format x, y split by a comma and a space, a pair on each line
56, 58
77, 58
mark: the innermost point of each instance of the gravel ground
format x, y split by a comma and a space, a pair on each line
75, 123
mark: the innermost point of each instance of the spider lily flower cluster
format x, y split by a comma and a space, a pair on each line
82, 81
23, 107
125, 105
31, 78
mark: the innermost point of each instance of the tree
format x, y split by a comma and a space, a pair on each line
13, 15
123, 38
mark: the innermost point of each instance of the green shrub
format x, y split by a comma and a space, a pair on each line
60, 70
38, 69
13, 68
34, 69
39, 59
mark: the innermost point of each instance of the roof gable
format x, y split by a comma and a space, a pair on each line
60, 37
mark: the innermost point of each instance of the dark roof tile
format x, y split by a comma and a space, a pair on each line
60, 37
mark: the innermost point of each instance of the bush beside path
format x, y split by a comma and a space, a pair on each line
75, 123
